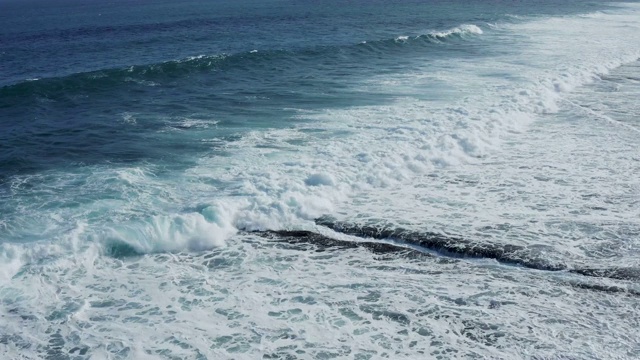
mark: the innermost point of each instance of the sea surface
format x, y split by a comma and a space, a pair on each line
329, 179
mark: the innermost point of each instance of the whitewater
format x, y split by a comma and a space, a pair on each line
462, 191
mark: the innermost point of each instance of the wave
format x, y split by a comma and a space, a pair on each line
195, 231
451, 246
95, 81
422, 245
208, 228
211, 226
284, 191
301, 238
154, 74
462, 30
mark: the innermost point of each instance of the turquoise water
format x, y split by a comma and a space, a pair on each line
276, 179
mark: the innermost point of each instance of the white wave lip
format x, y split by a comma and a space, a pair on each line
464, 29
191, 231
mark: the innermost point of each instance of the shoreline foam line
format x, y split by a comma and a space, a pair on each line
322, 243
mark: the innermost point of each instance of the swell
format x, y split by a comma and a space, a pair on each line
95, 81
150, 74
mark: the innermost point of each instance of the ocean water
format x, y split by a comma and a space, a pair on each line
319, 179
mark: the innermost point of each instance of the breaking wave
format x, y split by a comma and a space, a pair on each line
421, 245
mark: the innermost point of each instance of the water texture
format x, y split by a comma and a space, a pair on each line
318, 180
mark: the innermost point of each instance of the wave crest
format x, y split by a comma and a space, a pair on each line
464, 29
194, 231
155, 74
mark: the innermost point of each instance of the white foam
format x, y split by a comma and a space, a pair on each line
382, 147
10, 263
603, 117
185, 123
247, 302
459, 30
128, 118
486, 154
270, 183
190, 231
320, 179
197, 57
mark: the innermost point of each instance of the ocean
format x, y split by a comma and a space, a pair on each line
278, 179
